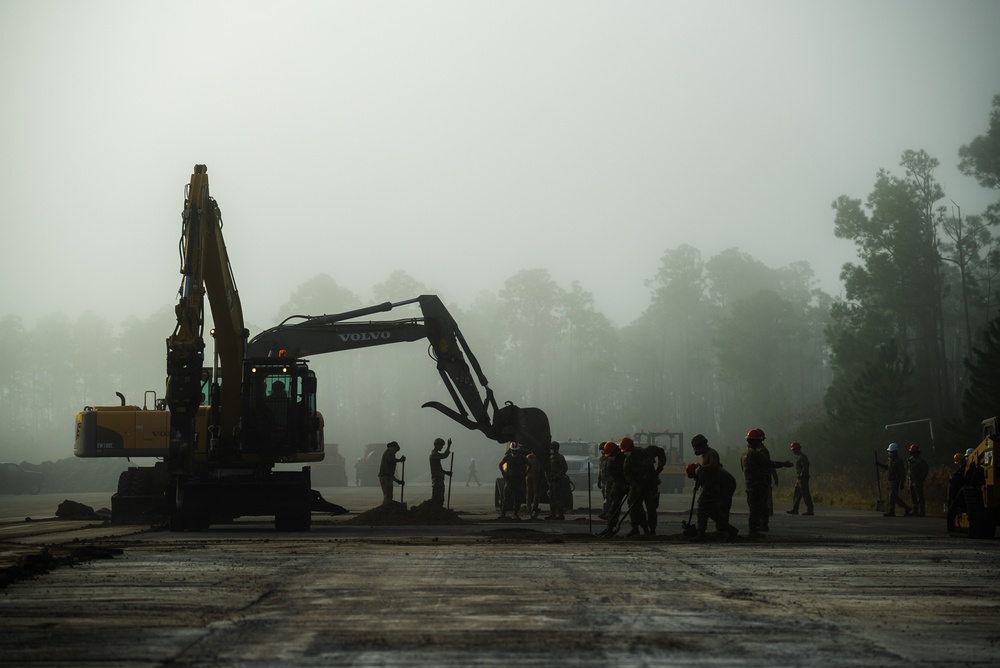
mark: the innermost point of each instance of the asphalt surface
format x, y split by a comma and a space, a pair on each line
843, 588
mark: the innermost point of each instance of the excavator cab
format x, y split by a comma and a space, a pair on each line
281, 423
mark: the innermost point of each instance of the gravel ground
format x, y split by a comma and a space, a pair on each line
844, 588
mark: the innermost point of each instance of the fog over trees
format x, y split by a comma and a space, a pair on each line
725, 343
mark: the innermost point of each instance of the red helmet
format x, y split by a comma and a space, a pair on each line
610, 447
626, 444
914, 448
755, 435
794, 446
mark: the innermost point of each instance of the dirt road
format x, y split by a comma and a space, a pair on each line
843, 588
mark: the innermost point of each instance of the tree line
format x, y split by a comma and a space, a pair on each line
682, 365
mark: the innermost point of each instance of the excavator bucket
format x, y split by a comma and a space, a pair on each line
527, 426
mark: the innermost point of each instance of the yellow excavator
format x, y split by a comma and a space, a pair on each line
973, 502
219, 431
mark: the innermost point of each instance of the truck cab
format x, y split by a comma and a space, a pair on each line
579, 456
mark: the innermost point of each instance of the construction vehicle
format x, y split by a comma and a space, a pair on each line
220, 431
14, 479
367, 467
581, 465
973, 502
673, 476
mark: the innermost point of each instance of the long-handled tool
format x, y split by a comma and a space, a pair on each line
690, 530
611, 531
880, 504
451, 467
402, 478
590, 507
627, 513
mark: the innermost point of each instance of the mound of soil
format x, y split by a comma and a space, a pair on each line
35, 564
396, 513
73, 510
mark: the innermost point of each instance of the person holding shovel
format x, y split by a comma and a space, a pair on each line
896, 474
387, 471
708, 476
513, 468
557, 477
642, 467
616, 486
438, 473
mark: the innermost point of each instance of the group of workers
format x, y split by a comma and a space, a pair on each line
387, 470
629, 476
521, 469
912, 474
524, 474
629, 481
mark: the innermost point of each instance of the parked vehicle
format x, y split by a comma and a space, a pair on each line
579, 454
673, 476
16, 480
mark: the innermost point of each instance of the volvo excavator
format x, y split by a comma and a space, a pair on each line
219, 431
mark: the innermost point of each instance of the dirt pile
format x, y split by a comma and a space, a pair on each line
72, 510
396, 513
44, 561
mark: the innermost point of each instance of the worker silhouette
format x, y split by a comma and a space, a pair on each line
278, 392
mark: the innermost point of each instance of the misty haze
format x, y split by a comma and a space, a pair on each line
631, 278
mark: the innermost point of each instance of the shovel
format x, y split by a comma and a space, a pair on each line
402, 485
690, 530
611, 532
626, 514
452, 467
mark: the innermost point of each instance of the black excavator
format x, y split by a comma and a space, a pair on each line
220, 431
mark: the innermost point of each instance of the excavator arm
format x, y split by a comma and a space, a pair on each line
459, 369
204, 268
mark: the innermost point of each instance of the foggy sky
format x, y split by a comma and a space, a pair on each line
462, 141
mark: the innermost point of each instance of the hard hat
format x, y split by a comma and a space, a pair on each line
626, 444
968, 452
893, 447
794, 446
699, 439
914, 448
755, 435
959, 458
610, 447
515, 446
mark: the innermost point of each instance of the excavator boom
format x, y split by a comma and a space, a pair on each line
205, 268
459, 369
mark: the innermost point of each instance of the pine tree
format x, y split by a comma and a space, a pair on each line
981, 398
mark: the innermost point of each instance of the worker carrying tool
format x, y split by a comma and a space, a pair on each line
387, 472
717, 486
438, 454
